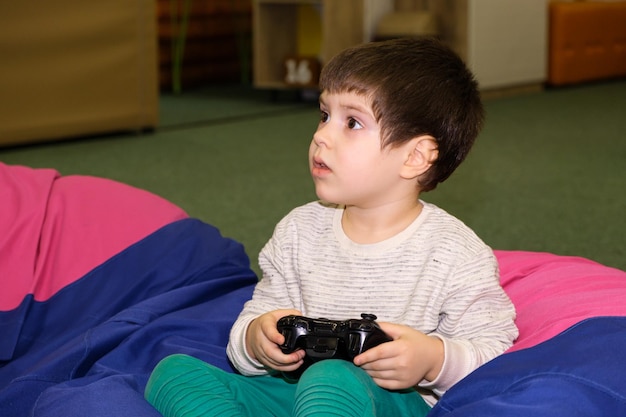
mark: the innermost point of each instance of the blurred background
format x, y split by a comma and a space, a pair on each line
212, 104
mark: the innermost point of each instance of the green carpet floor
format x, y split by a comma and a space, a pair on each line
548, 173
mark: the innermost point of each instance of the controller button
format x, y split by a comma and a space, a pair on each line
354, 343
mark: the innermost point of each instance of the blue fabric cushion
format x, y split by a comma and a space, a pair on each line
580, 372
90, 348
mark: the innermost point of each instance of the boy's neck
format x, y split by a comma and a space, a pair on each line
373, 225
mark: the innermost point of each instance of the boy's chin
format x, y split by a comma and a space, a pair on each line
326, 198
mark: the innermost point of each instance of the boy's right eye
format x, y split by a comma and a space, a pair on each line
324, 116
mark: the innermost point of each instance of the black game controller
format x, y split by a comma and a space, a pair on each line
329, 339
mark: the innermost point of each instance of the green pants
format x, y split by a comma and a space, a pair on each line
182, 386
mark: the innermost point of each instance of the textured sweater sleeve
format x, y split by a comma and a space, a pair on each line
271, 293
477, 321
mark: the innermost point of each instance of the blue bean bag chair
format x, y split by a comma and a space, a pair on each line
101, 280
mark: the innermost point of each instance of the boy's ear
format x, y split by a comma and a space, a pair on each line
422, 152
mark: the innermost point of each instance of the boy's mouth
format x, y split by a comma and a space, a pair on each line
318, 163
319, 166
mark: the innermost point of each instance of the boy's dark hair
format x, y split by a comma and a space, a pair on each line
417, 86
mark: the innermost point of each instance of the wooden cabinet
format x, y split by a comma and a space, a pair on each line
216, 46
74, 68
331, 26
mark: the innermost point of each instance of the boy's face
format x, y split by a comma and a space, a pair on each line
346, 160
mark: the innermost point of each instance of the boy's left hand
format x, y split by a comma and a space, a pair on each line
405, 361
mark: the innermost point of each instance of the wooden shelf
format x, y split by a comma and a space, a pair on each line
277, 34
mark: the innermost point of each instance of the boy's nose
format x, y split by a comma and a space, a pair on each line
321, 136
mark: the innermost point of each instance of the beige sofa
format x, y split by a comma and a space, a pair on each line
71, 68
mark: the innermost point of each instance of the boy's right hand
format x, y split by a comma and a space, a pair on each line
263, 340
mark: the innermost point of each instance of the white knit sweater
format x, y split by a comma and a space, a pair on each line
436, 276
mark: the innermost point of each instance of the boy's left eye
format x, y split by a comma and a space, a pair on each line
353, 124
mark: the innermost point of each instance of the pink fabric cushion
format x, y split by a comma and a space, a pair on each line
54, 229
552, 292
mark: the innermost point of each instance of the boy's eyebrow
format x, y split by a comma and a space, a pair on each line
349, 106
362, 109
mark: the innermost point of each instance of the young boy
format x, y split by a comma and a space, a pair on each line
397, 118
